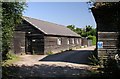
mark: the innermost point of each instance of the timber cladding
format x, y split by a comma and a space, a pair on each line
19, 42
51, 43
109, 40
107, 19
41, 37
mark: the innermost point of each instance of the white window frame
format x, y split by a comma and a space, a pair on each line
68, 41
59, 41
77, 41
73, 41
80, 40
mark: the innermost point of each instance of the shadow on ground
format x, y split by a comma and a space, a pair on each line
43, 71
75, 56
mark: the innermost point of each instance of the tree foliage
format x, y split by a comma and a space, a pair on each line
84, 32
93, 3
71, 27
106, 4
88, 31
12, 12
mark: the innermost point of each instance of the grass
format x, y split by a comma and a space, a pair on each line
12, 58
10, 62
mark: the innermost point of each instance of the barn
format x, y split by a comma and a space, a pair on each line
34, 36
107, 19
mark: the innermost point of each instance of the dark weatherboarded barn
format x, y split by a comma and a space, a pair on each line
35, 36
107, 19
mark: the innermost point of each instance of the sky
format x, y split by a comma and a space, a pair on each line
63, 13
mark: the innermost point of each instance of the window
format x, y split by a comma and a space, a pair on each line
80, 41
68, 41
73, 41
59, 41
77, 41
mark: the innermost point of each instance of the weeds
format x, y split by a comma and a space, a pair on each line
62, 51
11, 58
70, 49
49, 53
94, 61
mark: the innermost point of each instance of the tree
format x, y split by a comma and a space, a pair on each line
0, 27
78, 31
84, 32
71, 27
88, 28
93, 32
12, 13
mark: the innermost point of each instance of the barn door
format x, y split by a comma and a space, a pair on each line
28, 45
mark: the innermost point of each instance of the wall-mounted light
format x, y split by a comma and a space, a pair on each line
34, 40
29, 32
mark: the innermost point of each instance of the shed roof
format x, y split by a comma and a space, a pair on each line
49, 28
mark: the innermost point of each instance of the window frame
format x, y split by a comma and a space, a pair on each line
68, 41
73, 41
77, 41
59, 41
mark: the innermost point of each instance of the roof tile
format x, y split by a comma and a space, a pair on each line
50, 28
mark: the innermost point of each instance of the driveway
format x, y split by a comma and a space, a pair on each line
79, 56
66, 64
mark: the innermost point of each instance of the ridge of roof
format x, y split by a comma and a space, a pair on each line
50, 28
44, 21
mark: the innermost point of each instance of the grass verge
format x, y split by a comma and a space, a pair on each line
12, 58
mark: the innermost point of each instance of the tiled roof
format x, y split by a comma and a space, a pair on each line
49, 28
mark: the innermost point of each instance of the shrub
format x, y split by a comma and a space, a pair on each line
93, 38
70, 49
111, 67
94, 61
49, 53
10, 56
62, 50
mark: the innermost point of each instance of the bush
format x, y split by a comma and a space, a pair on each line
62, 50
111, 67
70, 49
49, 53
94, 60
11, 56
90, 37
93, 38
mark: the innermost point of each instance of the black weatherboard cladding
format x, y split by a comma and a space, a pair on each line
41, 36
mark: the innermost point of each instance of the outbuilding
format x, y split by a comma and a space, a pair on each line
107, 19
34, 36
